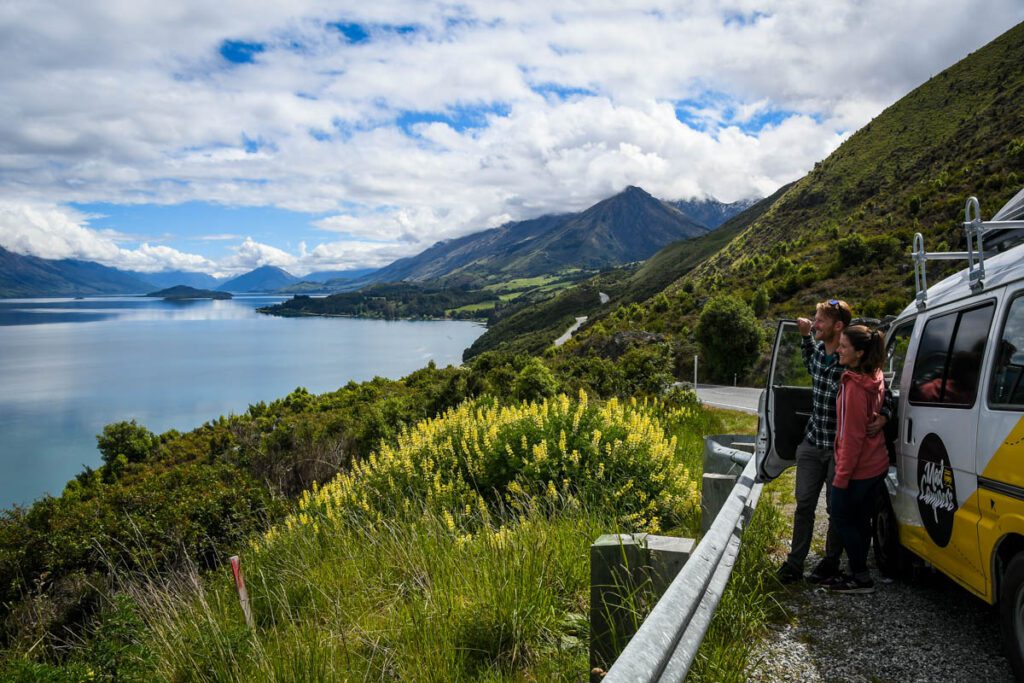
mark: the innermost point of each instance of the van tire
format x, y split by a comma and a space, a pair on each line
892, 559
1011, 613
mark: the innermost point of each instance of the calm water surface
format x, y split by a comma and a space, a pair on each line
68, 367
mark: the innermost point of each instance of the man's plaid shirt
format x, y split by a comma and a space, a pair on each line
825, 373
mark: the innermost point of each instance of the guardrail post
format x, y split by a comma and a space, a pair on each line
628, 574
721, 467
715, 490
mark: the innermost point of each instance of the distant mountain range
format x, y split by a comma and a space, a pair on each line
262, 279
173, 278
32, 276
628, 227
710, 212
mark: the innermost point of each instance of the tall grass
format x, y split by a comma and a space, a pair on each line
403, 601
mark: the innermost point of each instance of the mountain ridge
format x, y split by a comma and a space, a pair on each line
629, 226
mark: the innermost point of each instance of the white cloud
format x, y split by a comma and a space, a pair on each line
132, 103
252, 254
58, 233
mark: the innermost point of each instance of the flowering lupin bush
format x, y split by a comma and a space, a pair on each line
480, 456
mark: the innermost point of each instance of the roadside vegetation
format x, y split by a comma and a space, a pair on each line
366, 518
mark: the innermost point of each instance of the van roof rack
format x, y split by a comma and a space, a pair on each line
1002, 231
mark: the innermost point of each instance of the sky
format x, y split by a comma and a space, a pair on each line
223, 136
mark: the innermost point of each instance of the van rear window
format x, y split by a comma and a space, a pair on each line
1007, 389
949, 356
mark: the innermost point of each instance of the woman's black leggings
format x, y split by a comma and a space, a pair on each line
851, 510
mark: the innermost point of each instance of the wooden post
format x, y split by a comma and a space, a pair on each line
243, 595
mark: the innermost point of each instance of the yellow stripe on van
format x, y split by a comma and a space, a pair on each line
1005, 465
1001, 514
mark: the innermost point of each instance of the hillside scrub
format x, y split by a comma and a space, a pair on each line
482, 457
160, 501
163, 501
460, 553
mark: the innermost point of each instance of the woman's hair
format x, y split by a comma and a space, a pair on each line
871, 342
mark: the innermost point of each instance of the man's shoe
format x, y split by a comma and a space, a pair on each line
833, 580
788, 575
852, 586
825, 572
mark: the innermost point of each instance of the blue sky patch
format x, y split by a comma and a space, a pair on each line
459, 118
204, 227
253, 145
713, 110
741, 20
240, 52
356, 34
561, 92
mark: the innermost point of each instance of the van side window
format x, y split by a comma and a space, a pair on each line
949, 356
1007, 384
896, 356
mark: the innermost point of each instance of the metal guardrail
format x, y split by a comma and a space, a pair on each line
664, 647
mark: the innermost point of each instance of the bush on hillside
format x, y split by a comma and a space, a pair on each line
729, 336
535, 382
127, 440
482, 457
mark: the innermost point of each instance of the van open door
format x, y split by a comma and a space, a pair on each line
785, 405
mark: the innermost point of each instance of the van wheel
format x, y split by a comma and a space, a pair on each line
1011, 613
892, 559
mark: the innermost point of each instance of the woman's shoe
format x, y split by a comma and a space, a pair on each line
852, 586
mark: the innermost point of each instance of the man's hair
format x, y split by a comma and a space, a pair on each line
838, 310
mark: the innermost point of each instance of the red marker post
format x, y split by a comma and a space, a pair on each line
243, 595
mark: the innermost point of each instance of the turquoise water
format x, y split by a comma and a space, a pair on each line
68, 367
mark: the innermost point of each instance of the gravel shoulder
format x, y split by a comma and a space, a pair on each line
927, 629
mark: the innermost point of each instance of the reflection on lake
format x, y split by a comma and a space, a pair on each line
71, 366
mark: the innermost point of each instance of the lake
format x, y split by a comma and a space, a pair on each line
70, 366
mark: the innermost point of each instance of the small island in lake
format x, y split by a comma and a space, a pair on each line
182, 292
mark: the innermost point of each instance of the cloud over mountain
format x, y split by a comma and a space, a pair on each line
396, 124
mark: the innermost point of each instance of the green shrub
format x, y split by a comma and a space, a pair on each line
729, 336
853, 250
534, 382
127, 440
480, 457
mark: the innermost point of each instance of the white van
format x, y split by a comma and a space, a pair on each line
956, 368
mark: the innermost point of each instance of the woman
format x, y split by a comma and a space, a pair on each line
861, 460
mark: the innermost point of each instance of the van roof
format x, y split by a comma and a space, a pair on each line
1000, 269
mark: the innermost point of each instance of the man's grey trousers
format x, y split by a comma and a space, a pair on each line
814, 467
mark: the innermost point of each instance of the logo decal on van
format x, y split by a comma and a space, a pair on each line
936, 494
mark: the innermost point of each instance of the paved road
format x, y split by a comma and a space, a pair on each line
736, 398
568, 333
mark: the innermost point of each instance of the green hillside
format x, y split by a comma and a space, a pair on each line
843, 230
531, 327
846, 228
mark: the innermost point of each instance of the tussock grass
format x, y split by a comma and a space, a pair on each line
399, 601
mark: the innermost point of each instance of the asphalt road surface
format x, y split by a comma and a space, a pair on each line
735, 398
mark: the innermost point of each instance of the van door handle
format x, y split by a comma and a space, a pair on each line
910, 430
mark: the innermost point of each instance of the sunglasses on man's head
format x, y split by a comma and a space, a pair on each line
834, 303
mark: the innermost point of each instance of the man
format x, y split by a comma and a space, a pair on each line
814, 456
